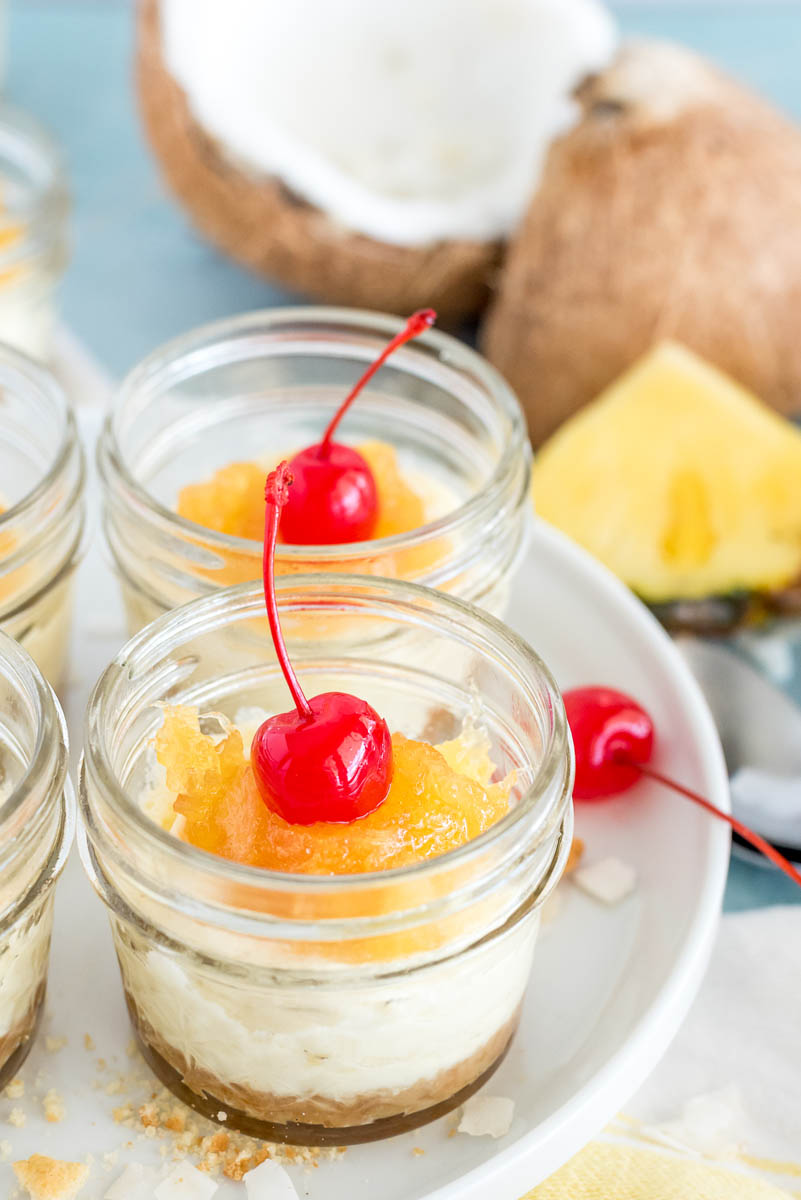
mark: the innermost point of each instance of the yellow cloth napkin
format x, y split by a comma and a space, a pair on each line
611, 1171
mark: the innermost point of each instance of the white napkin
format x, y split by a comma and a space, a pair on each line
731, 1081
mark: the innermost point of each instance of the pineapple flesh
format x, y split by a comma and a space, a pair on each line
679, 480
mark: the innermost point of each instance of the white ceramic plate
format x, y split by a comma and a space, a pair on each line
610, 986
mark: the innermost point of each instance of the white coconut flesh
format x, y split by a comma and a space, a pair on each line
410, 122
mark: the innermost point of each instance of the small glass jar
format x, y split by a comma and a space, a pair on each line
42, 513
37, 818
264, 386
34, 213
327, 1009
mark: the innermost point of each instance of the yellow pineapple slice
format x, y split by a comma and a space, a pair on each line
679, 480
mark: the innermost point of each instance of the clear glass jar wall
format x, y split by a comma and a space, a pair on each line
41, 511
327, 1008
263, 386
36, 829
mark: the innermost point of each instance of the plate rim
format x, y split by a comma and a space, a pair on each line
565, 1131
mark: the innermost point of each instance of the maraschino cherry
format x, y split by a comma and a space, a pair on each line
331, 758
334, 499
613, 739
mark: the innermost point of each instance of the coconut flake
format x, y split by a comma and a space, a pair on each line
487, 1116
357, 109
269, 1181
135, 1183
710, 1125
185, 1182
611, 880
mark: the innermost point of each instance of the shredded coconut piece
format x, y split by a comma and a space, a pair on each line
135, 1183
269, 1181
487, 1116
54, 1044
185, 1182
17, 1118
708, 1125
611, 880
16, 1088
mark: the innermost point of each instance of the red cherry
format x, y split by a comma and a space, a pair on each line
335, 499
613, 739
332, 493
611, 733
330, 759
333, 766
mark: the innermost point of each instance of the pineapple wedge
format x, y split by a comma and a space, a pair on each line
679, 480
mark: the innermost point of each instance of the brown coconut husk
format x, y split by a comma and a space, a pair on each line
263, 225
672, 210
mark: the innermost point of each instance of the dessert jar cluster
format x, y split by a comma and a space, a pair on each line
340, 1007
36, 829
263, 386
34, 213
41, 511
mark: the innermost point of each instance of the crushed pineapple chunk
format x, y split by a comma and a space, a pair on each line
439, 799
679, 480
232, 501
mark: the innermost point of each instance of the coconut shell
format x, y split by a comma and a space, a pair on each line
671, 210
264, 226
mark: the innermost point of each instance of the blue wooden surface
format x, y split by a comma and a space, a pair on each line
139, 274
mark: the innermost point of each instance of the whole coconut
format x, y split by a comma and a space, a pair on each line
672, 210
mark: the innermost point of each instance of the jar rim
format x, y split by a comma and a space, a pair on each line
26, 143
45, 771
433, 345
246, 600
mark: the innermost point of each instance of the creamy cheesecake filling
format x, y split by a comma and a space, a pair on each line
342, 1042
441, 1093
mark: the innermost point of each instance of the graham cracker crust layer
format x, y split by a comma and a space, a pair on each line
320, 1120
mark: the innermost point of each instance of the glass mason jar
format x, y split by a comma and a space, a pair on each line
265, 385
327, 1009
37, 817
34, 214
41, 510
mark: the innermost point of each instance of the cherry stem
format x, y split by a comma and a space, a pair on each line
759, 843
276, 494
417, 323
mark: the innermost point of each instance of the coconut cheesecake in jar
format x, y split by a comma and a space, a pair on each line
41, 511
192, 430
36, 829
34, 212
313, 978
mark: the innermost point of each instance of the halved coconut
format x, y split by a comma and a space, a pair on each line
673, 210
362, 151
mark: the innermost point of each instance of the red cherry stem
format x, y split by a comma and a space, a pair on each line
276, 493
759, 843
418, 323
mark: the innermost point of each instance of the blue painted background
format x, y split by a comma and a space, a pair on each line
139, 274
